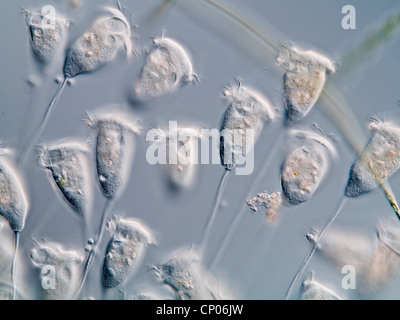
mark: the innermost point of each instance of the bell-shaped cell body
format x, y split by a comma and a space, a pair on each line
48, 32
304, 80
181, 150
59, 271
69, 167
345, 244
313, 290
376, 260
125, 251
13, 197
305, 166
379, 160
99, 44
243, 120
302, 171
115, 146
185, 275
166, 68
